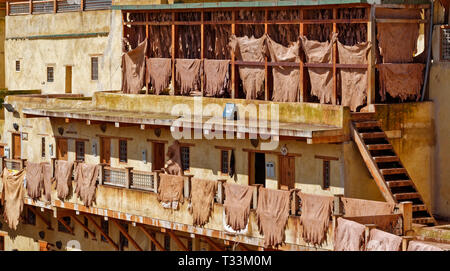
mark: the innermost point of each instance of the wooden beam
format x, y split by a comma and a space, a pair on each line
110, 241
233, 57
151, 237
173, 51
178, 241
371, 56
41, 217
74, 217
211, 243
125, 233
266, 69
202, 50
65, 225
243, 247
302, 96
323, 157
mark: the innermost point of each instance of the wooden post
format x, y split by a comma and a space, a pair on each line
101, 173
128, 176
233, 57
405, 209
220, 190
31, 6
173, 52
151, 237
55, 4
405, 242
23, 163
302, 95
177, 240
294, 201
371, 57
338, 205
148, 39
334, 55
202, 50
266, 68
255, 195
187, 185
2, 162
82, 5
156, 180
7, 8
53, 163
367, 232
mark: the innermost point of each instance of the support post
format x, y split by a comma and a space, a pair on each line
371, 57
2, 162
405, 209
173, 52
233, 57
177, 240
220, 190
202, 50
55, 5
338, 205
53, 163
82, 5
266, 67
302, 96
74, 217
151, 237
187, 186
334, 56
7, 8
255, 195
125, 233
31, 6
294, 201
101, 173
156, 180
110, 241
367, 232
128, 177
23, 163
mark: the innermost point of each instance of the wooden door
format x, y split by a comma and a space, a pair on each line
61, 149
2, 151
105, 150
158, 156
16, 146
68, 79
287, 172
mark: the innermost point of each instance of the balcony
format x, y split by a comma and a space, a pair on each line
131, 196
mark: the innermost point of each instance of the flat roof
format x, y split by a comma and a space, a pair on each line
299, 130
255, 4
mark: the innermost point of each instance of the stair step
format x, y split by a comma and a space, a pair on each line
412, 195
391, 171
373, 135
423, 220
399, 183
367, 124
419, 207
386, 159
362, 116
374, 147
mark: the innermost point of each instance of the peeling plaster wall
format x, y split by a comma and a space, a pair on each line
39, 52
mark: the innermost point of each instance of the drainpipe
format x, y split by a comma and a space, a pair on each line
427, 69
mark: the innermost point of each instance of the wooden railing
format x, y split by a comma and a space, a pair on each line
54, 6
12, 164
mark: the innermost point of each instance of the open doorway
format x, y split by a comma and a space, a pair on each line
257, 168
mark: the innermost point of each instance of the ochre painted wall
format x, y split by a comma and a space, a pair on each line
39, 52
439, 93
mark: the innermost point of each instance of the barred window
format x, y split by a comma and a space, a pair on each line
79, 150
326, 174
185, 158
94, 68
50, 74
123, 151
43, 147
17, 65
224, 161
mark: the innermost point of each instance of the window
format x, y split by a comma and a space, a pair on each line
167, 242
105, 228
2, 242
86, 223
50, 74
94, 68
224, 161
445, 43
79, 150
185, 158
123, 151
61, 227
30, 217
43, 147
17, 65
123, 241
326, 174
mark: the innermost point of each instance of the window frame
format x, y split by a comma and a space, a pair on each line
94, 78
188, 156
77, 153
326, 174
441, 43
222, 162
52, 74
121, 160
18, 62
43, 146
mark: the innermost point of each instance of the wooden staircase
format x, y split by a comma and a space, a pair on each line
385, 166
